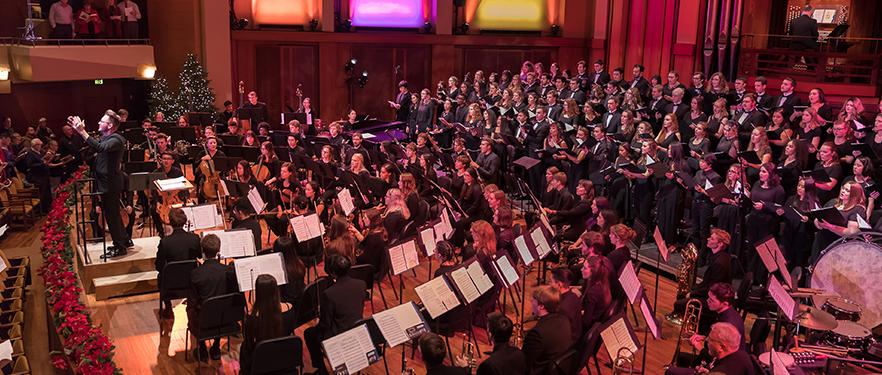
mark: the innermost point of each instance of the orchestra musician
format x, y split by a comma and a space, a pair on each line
260, 108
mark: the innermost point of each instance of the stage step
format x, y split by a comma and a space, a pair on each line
140, 258
124, 285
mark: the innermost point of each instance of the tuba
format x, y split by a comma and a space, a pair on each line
689, 327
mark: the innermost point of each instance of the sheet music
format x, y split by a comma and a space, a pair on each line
307, 227
660, 242
3, 265
234, 243
203, 216
630, 282
345, 199
396, 257
784, 300
481, 280
465, 285
649, 161
6, 350
616, 336
437, 296
509, 274
248, 269
349, 350
543, 218
367, 136
173, 184
707, 185
521, 245
443, 229
540, 241
411, 258
400, 323
862, 224
649, 317
427, 236
3, 229
255, 200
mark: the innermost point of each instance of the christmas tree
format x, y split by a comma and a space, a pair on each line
163, 99
195, 95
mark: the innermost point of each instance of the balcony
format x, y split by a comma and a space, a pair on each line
50, 60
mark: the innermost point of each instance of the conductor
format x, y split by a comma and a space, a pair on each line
108, 176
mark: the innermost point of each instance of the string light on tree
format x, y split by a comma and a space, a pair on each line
195, 94
163, 99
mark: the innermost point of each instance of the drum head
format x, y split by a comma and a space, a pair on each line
852, 270
851, 330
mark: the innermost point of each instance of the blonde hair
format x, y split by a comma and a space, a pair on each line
395, 202
623, 232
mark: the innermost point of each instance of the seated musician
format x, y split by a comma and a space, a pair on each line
433, 351
505, 359
570, 299
335, 134
551, 336
597, 297
282, 190
342, 306
357, 147
177, 246
209, 133
372, 240
473, 204
243, 217
719, 268
619, 236
209, 279
211, 151
244, 174
342, 240
327, 168
234, 131
503, 218
396, 215
720, 298
250, 139
269, 159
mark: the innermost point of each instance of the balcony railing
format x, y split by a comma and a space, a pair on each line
17, 41
837, 60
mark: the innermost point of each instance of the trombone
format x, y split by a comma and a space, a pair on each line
689, 327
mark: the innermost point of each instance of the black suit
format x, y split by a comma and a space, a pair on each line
642, 85
554, 111
680, 111
38, 174
504, 360
737, 363
787, 102
109, 180
719, 270
177, 246
488, 167
259, 113
748, 120
211, 279
404, 104
549, 339
598, 78
447, 370
611, 122
578, 96
765, 101
342, 306
655, 107
804, 33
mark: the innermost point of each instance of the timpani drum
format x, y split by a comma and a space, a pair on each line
851, 268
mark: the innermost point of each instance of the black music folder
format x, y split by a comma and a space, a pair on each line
829, 214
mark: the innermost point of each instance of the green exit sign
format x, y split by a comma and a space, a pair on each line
99, 81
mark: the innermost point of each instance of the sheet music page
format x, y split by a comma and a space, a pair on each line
617, 336
255, 200
766, 255
443, 291
443, 229
427, 236
301, 231
431, 301
541, 243
172, 184
314, 225
3, 229
396, 257
203, 216
660, 242
481, 280
234, 243
411, 257
544, 220
6, 350
343, 355
521, 245
507, 269
630, 282
398, 324
248, 269
345, 199
784, 300
465, 285
367, 136
862, 224
649, 317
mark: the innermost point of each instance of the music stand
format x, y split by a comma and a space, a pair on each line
142, 182
200, 118
139, 167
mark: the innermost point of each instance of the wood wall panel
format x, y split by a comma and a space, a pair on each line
298, 66
498, 59
267, 85
380, 62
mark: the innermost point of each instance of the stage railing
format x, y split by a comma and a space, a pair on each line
837, 60
17, 41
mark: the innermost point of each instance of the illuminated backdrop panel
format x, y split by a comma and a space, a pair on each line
387, 13
514, 15
283, 12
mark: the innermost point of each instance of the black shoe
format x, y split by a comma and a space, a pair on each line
130, 244
215, 352
110, 252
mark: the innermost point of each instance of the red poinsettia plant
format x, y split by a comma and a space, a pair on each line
86, 348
